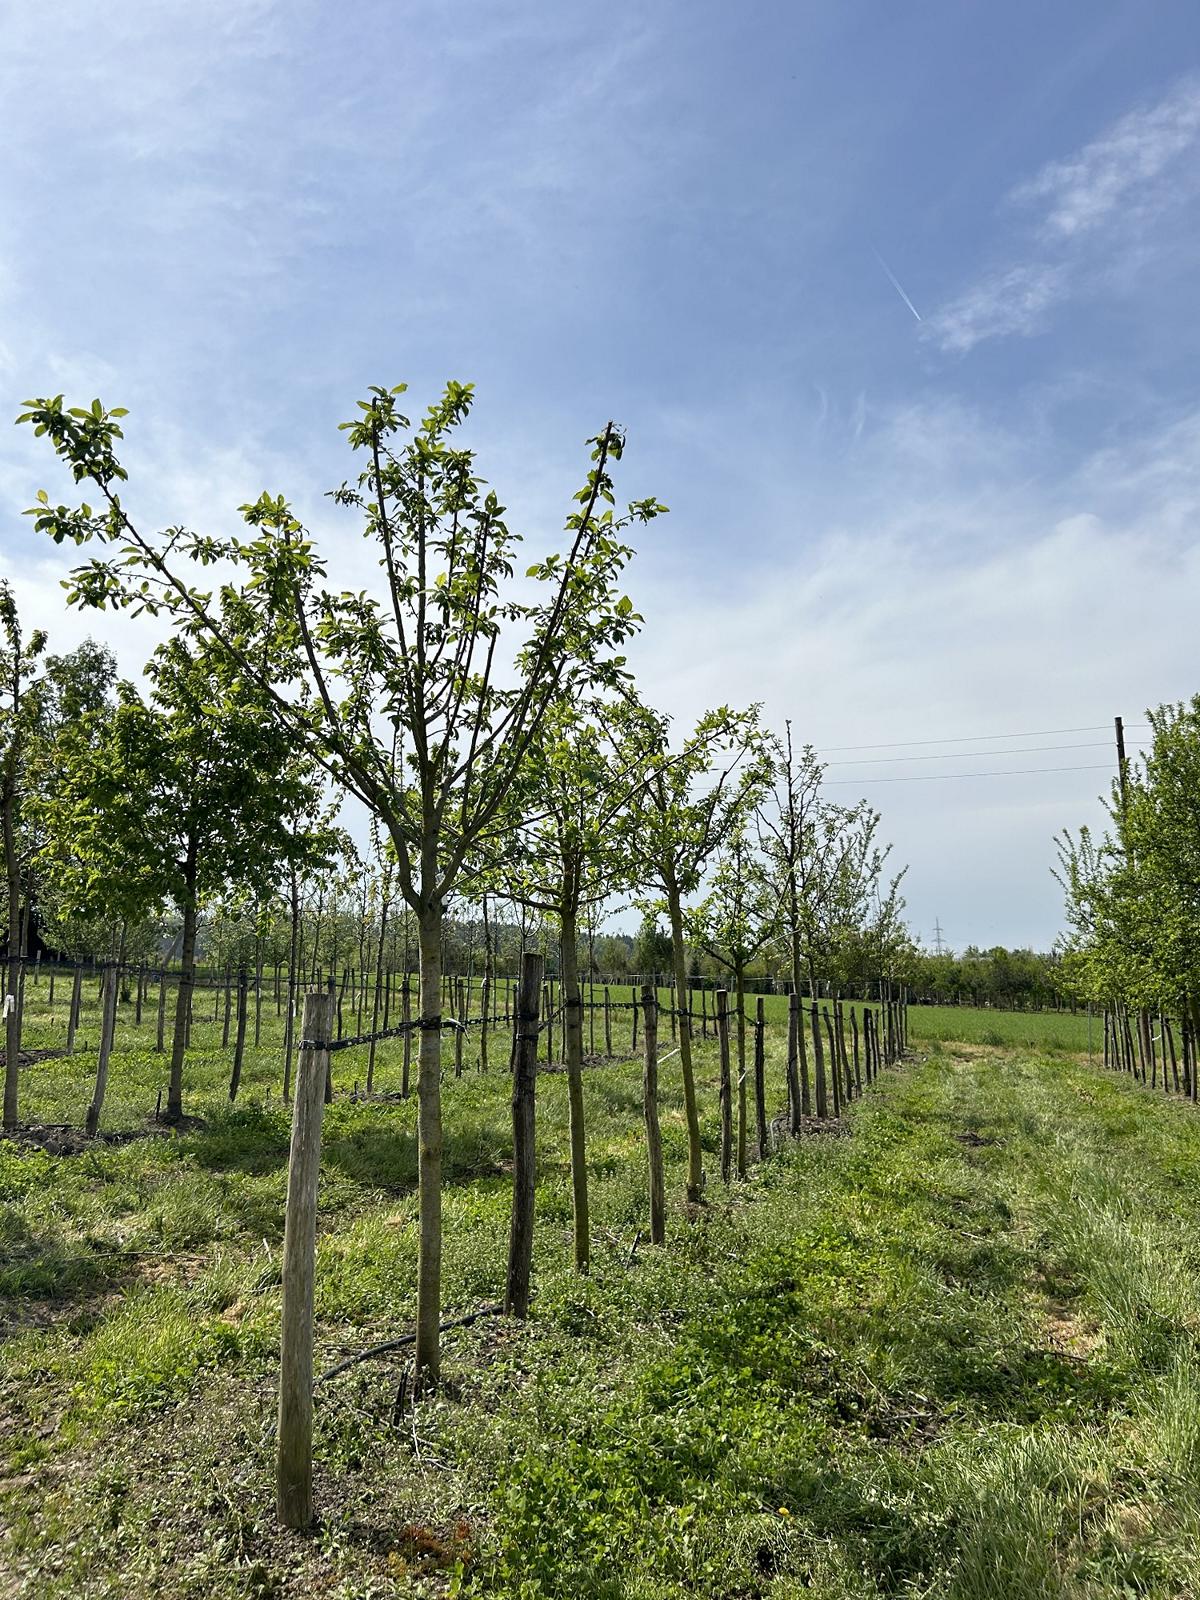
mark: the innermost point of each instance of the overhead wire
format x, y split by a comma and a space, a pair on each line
966, 755
999, 772
979, 738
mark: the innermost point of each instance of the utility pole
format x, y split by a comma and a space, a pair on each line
1121, 763
937, 936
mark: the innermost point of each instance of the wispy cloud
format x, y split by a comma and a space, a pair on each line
1013, 300
1120, 170
1093, 208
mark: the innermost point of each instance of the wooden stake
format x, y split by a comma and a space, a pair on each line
108, 1025
795, 1035
819, 1060
726, 1092
239, 1045
293, 1471
654, 1154
76, 1005
525, 1042
760, 1079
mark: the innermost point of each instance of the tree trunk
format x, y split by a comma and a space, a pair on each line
726, 1086
520, 1241
383, 917
187, 971
819, 1061
695, 1169
573, 1014
12, 1003
75, 1007
795, 1040
654, 1154
293, 1466
739, 983
289, 1021
108, 1024
429, 1146
760, 1079
835, 1065
485, 989
239, 1043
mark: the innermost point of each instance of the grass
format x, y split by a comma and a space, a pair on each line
952, 1355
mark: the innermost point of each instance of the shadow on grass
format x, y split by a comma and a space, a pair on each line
41, 1266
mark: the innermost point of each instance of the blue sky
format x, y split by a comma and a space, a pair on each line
232, 217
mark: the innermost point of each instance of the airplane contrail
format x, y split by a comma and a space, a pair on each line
895, 283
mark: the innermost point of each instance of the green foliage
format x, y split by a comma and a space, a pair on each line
652, 951
398, 694
1133, 895
176, 797
838, 920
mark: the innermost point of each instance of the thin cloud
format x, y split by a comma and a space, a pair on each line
1117, 169
1095, 208
1012, 301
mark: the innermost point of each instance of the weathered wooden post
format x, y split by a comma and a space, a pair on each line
485, 1001
607, 1023
633, 1012
835, 1068
293, 1469
330, 990
794, 1040
654, 1153
819, 1061
406, 1017
760, 1079
741, 1140
726, 1093
108, 1025
161, 1020
460, 1017
239, 1042
524, 1090
75, 1007
228, 1012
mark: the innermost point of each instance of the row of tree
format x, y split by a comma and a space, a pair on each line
1133, 891
1008, 980
486, 722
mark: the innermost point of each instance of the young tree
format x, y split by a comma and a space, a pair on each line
736, 920
1133, 895
421, 666
825, 863
583, 782
172, 799
693, 799
19, 710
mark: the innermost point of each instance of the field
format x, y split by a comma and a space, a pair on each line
951, 1353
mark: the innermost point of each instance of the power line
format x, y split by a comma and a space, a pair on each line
966, 755
1000, 772
978, 738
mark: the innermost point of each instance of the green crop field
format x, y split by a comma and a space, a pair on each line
1031, 1030
950, 1353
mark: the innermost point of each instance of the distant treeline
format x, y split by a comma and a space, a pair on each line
997, 978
